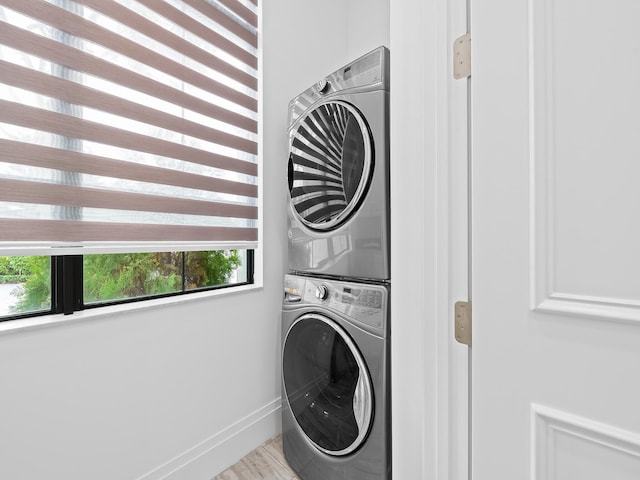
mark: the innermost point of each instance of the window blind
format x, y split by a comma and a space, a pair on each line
129, 123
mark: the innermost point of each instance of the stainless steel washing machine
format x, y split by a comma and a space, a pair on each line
338, 173
335, 377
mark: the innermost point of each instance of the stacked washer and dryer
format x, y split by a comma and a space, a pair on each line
335, 318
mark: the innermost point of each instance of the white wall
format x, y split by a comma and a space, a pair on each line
367, 24
180, 390
116, 397
305, 40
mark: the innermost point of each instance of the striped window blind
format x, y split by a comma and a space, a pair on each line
129, 124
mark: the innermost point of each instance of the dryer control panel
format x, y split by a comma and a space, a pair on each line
367, 73
364, 304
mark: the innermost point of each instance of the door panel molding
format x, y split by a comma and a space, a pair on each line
563, 446
571, 233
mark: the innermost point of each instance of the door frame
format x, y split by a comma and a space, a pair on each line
429, 242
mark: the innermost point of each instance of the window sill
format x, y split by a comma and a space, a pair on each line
46, 321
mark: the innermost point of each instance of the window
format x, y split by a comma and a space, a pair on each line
37, 285
127, 127
25, 286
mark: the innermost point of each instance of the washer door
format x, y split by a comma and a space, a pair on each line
327, 385
330, 164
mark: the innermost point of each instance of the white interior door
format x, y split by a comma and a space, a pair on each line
556, 239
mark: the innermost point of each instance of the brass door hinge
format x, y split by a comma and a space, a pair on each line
462, 57
463, 317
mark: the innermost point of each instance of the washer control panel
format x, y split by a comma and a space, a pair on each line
361, 297
363, 303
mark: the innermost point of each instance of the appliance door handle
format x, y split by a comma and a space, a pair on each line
361, 403
290, 172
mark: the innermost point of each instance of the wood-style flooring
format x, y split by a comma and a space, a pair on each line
264, 463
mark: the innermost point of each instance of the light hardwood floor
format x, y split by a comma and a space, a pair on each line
264, 463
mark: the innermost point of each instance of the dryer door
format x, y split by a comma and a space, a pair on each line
330, 164
327, 385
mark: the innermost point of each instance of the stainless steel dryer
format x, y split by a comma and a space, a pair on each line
335, 377
339, 173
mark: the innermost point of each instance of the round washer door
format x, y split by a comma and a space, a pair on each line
327, 385
330, 164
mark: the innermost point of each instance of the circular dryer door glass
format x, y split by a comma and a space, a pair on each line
330, 164
327, 385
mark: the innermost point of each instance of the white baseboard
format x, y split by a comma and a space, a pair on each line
213, 455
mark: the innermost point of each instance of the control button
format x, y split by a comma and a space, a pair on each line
322, 292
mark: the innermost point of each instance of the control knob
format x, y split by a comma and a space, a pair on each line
322, 86
322, 292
